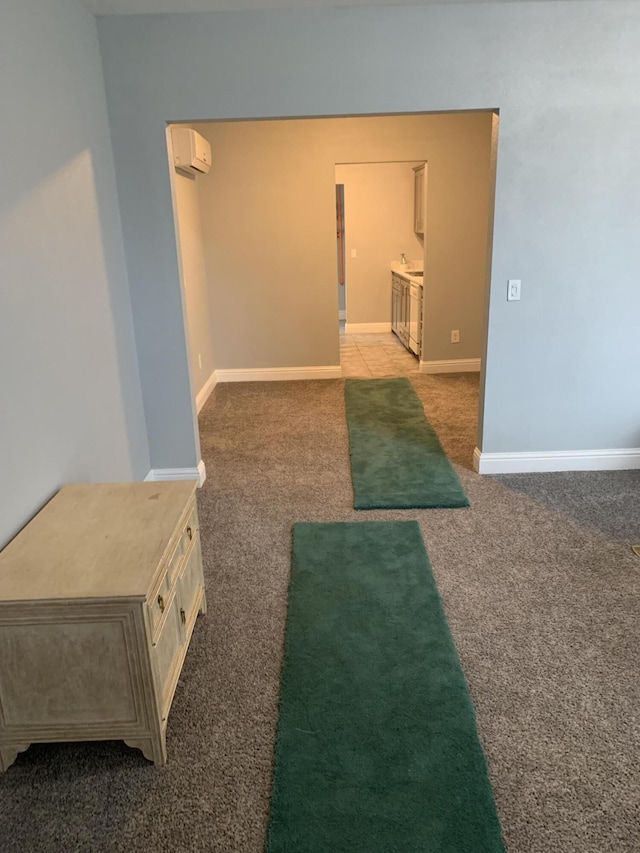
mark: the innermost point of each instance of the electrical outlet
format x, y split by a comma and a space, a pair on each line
513, 290
455, 336
200, 360
354, 253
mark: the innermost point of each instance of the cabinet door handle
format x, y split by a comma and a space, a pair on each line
183, 616
161, 603
189, 533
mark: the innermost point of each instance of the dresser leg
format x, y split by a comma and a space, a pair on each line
203, 603
153, 748
8, 756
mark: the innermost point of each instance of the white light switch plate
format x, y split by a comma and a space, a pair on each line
354, 253
513, 290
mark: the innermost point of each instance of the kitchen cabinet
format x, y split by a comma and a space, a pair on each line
406, 312
399, 307
419, 199
99, 596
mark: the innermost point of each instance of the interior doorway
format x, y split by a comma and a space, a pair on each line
275, 242
382, 241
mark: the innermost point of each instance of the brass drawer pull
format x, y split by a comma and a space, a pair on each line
161, 603
183, 616
189, 533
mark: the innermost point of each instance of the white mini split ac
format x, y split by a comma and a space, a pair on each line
191, 152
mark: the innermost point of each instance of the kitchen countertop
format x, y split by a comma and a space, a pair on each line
405, 272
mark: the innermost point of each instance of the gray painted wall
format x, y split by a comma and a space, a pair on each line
561, 366
70, 406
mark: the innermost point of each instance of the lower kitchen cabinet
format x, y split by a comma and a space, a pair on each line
406, 312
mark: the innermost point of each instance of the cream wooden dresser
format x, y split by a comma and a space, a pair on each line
99, 595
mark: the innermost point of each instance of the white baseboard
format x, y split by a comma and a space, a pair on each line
276, 374
199, 474
366, 328
205, 392
342, 315
456, 365
560, 460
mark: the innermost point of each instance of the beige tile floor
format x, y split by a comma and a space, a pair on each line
375, 356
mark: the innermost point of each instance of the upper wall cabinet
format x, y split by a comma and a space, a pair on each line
419, 204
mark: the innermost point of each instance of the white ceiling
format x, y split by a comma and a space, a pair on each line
138, 7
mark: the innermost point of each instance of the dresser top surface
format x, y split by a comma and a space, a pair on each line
96, 540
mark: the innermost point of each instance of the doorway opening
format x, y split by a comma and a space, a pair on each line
383, 241
269, 233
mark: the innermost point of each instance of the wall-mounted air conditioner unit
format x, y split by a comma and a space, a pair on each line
191, 152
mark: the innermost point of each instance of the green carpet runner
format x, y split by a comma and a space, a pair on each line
397, 461
377, 749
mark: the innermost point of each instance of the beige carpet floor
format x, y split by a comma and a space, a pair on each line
540, 587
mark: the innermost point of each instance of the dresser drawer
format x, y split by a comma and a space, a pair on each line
167, 653
190, 584
157, 605
174, 564
191, 527
189, 530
